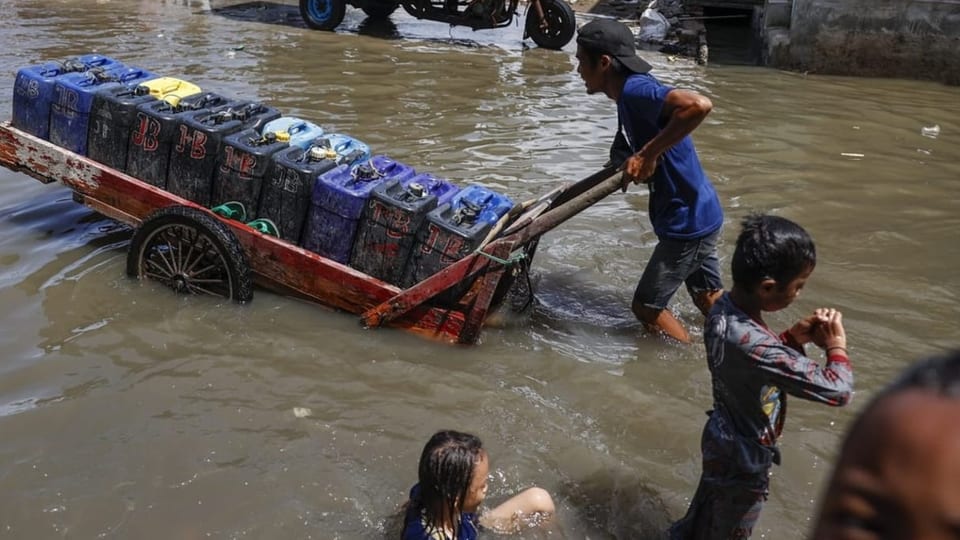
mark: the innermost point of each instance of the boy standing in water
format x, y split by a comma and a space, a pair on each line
752, 371
655, 125
898, 474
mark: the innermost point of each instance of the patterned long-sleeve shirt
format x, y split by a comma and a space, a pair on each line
753, 369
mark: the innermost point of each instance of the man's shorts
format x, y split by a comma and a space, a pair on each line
673, 262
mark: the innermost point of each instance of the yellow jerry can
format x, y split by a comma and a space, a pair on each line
170, 89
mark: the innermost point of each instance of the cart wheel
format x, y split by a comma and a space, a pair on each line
323, 14
379, 9
558, 25
191, 252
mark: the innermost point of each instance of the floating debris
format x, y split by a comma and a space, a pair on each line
931, 132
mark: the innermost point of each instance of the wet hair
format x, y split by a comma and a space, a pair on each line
593, 54
939, 375
771, 247
445, 471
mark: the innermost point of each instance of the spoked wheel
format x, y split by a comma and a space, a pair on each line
379, 9
323, 14
557, 27
191, 252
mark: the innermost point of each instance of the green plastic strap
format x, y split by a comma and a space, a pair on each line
513, 259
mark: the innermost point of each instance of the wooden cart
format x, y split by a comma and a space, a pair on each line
192, 250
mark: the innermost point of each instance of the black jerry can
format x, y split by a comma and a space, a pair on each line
199, 142
242, 167
155, 131
286, 195
112, 116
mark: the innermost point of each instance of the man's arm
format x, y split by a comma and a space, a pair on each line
683, 110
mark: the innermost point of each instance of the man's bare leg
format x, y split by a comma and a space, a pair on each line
661, 321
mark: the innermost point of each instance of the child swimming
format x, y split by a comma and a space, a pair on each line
445, 503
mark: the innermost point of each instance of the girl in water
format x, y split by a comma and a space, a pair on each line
452, 483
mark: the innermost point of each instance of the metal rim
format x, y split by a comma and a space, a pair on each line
185, 259
320, 10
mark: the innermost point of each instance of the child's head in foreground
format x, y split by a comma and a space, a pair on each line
898, 473
772, 260
453, 477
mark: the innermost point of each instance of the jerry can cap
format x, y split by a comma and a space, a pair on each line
417, 189
366, 172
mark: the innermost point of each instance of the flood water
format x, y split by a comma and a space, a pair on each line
129, 412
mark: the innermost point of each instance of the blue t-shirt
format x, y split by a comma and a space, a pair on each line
414, 527
683, 203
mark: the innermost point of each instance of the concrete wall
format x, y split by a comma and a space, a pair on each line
888, 38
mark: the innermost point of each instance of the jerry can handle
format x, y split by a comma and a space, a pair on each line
71, 65
296, 128
170, 88
132, 75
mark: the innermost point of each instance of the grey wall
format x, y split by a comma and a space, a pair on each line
890, 38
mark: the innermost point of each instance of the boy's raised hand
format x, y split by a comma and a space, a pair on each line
803, 330
830, 333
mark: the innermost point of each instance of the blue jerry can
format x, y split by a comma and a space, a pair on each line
393, 214
74, 95
453, 230
33, 90
300, 132
338, 200
286, 195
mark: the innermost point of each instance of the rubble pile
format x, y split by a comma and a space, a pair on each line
673, 28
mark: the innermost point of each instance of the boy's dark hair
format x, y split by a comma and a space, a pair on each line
445, 472
771, 247
593, 55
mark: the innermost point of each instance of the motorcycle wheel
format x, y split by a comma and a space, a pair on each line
559, 28
380, 9
414, 8
323, 14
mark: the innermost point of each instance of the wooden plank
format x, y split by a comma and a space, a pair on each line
130, 201
568, 209
400, 304
583, 185
107, 210
487, 287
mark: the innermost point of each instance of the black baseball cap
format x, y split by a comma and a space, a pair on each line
612, 37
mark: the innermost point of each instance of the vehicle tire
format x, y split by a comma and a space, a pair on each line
191, 252
323, 14
380, 9
415, 8
561, 24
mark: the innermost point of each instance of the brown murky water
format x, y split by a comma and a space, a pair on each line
128, 412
